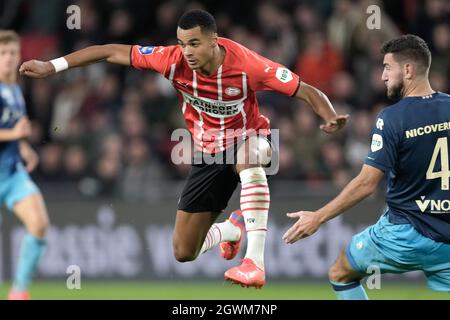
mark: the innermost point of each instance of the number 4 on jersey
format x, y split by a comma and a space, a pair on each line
441, 148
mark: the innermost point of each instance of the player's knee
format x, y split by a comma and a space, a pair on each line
38, 227
183, 253
182, 256
254, 153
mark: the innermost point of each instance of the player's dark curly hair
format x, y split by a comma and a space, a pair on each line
409, 47
198, 18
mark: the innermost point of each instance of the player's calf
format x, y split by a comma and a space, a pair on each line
32, 212
341, 271
346, 281
255, 202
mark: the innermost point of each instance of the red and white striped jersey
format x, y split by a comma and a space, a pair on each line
222, 106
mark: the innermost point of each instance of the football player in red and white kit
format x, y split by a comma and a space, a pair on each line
216, 80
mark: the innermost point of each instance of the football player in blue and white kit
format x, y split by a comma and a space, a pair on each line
17, 191
410, 146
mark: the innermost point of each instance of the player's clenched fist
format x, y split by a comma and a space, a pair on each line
335, 124
36, 69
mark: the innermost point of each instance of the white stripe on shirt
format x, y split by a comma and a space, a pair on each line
244, 115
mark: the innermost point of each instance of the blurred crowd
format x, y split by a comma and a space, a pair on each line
108, 128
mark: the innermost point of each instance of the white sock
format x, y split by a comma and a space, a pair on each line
224, 231
255, 246
255, 202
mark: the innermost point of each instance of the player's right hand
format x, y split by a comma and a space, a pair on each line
36, 69
22, 129
308, 223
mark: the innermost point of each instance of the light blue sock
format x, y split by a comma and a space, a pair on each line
349, 291
31, 252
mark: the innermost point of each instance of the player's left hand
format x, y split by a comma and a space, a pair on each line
308, 222
30, 157
335, 124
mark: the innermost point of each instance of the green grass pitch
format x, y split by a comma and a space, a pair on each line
216, 291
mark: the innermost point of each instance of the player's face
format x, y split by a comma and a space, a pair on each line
393, 77
197, 46
9, 58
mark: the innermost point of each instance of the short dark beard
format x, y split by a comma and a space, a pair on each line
396, 92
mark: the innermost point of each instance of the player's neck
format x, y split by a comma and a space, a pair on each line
216, 61
418, 88
8, 79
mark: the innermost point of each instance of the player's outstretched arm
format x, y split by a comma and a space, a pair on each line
113, 53
322, 106
22, 129
356, 190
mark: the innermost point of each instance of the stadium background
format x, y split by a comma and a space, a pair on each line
103, 136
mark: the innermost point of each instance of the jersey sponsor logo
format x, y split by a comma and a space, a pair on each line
377, 142
13, 107
146, 50
380, 124
9, 116
433, 206
232, 91
284, 75
214, 108
7, 95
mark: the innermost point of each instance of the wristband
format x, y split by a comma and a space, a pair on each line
60, 64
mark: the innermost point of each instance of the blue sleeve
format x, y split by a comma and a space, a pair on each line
3, 122
384, 145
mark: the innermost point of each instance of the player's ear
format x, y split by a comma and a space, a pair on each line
213, 39
408, 71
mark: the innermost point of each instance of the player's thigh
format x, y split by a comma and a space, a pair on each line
256, 151
25, 200
342, 271
191, 228
208, 188
17, 187
31, 210
386, 248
